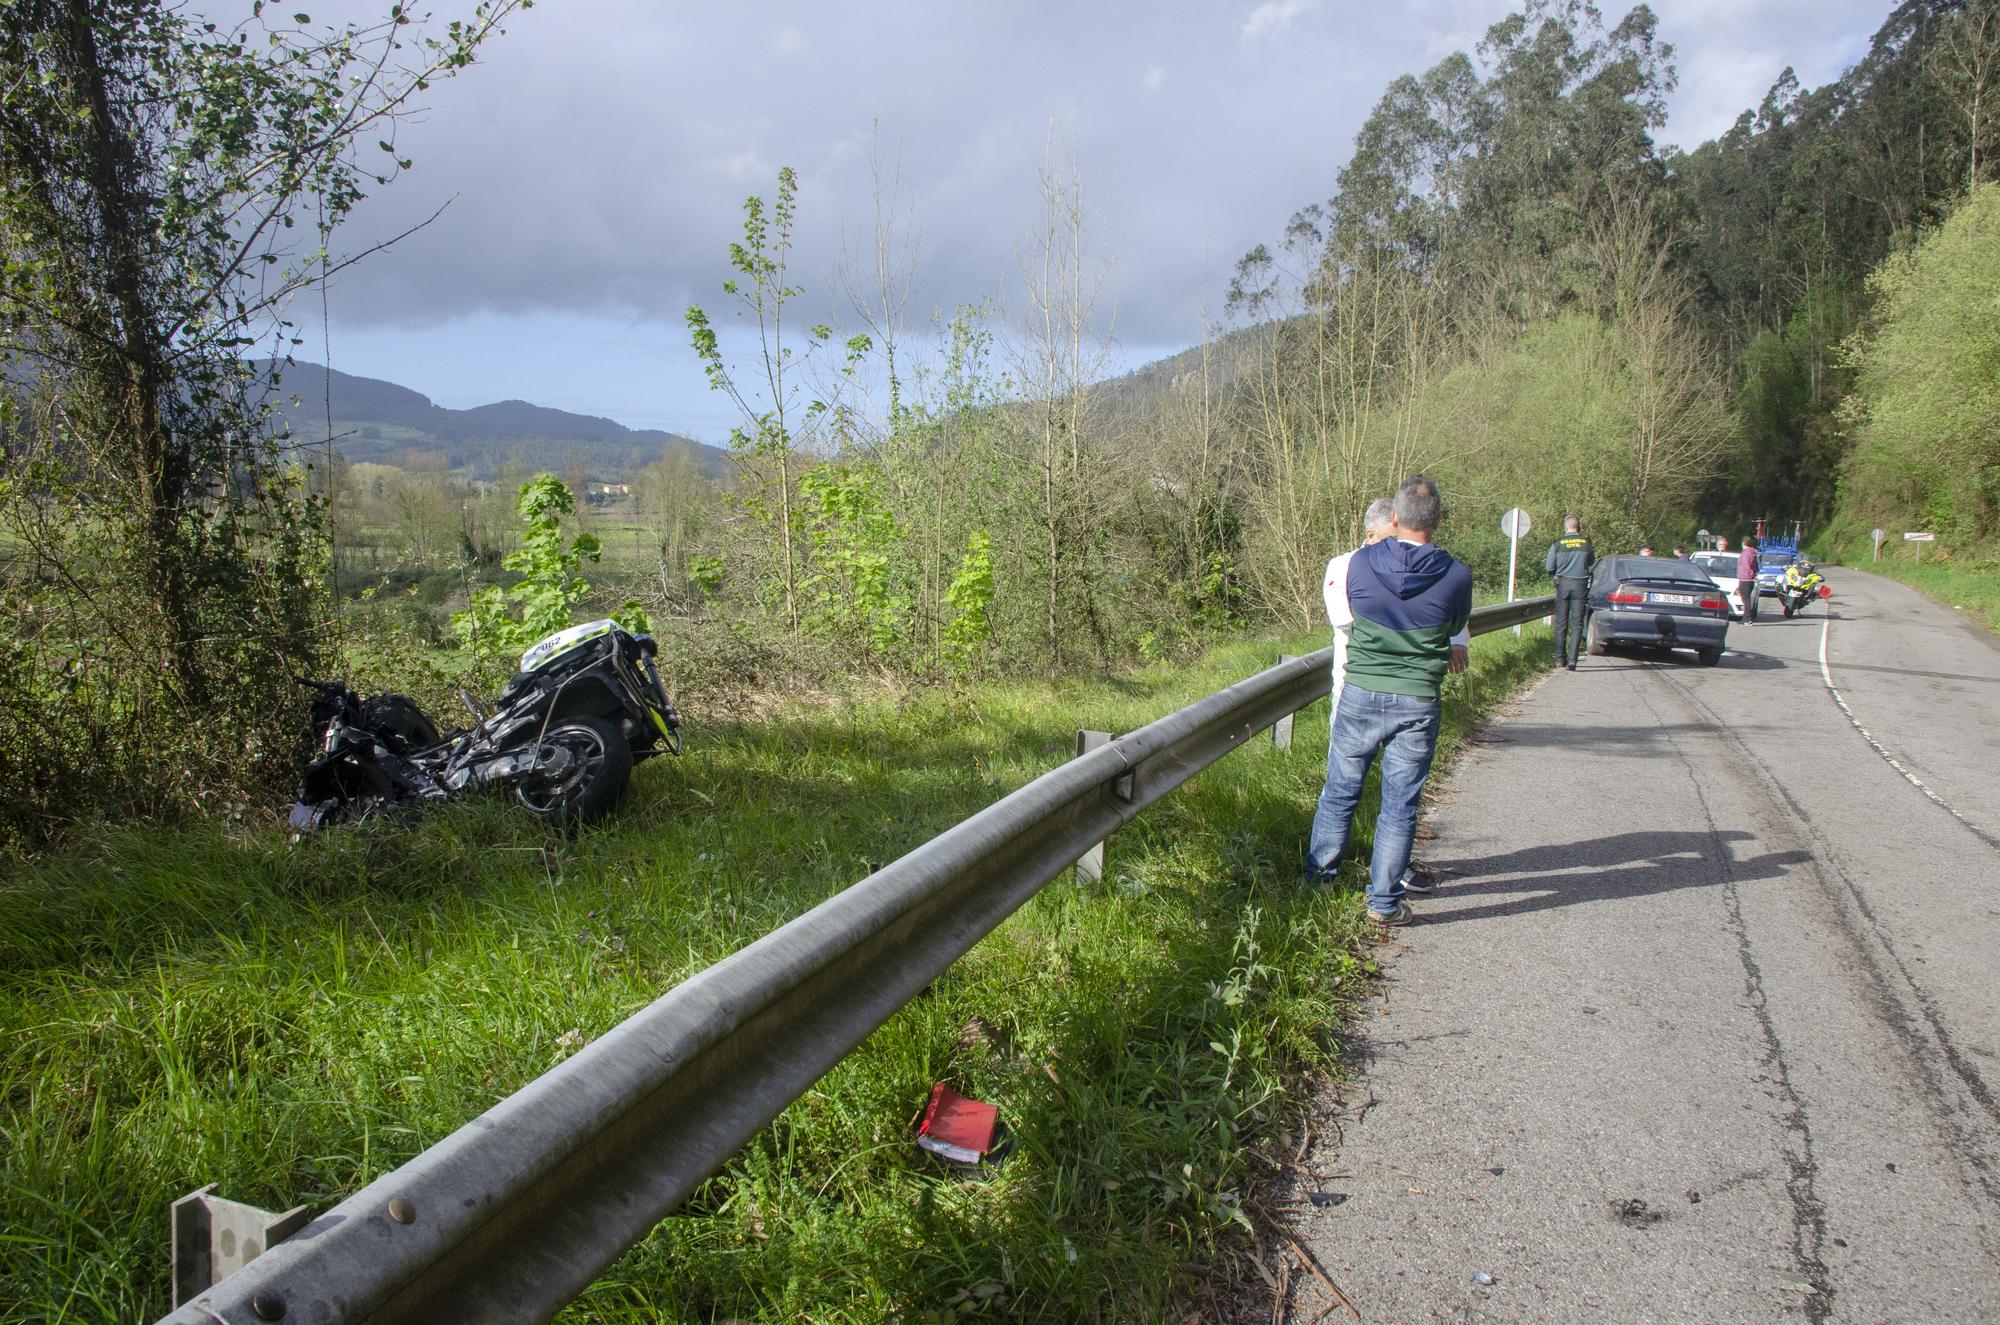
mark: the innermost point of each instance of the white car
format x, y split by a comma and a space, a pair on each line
1721, 567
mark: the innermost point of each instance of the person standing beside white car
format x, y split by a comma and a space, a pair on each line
1746, 580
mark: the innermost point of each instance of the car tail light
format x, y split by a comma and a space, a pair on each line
1715, 604
1624, 595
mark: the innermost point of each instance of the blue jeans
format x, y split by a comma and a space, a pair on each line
1404, 730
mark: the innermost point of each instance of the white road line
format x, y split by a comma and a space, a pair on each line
1826, 674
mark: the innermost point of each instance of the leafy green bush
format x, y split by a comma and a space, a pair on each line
970, 595
847, 584
1926, 399
1564, 418
550, 587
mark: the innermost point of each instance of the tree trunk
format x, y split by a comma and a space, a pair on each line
131, 365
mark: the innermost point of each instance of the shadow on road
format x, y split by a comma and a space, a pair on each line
1605, 869
1643, 742
1911, 671
1742, 661
1633, 660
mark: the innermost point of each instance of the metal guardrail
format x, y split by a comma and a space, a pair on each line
516, 1213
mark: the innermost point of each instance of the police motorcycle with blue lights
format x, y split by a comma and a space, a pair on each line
563, 735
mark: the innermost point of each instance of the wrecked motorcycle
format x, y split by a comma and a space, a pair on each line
563, 735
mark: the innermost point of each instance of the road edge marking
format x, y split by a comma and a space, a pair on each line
1826, 675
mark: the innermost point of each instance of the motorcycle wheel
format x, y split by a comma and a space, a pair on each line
397, 719
593, 784
1787, 605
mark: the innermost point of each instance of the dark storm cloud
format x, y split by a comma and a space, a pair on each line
600, 152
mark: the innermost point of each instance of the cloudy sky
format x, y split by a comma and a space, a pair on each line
597, 158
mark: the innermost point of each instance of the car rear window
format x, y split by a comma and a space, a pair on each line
1660, 569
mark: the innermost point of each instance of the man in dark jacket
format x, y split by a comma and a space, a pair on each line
1404, 605
1569, 561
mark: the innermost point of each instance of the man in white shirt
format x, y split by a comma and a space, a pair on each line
1377, 523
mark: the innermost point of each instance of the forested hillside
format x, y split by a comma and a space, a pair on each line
1512, 284
1923, 405
1797, 223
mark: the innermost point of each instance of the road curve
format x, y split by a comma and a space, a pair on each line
1704, 1025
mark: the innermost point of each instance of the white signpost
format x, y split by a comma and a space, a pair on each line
1876, 534
1514, 524
1918, 539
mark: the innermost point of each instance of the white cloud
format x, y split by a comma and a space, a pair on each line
1271, 18
562, 219
744, 165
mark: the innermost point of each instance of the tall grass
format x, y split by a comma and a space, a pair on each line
290, 1020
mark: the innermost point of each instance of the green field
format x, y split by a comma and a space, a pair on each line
216, 1005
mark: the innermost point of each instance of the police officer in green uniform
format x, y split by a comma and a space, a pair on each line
1569, 560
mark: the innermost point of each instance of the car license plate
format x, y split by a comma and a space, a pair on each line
1683, 599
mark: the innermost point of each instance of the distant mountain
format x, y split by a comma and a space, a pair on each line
381, 422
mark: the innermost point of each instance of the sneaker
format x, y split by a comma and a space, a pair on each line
1402, 915
1419, 881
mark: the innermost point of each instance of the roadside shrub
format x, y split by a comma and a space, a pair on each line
1926, 399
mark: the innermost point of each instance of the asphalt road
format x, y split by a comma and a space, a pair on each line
1704, 1025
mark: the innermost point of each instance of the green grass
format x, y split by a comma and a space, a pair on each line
630, 548
208, 1005
1963, 582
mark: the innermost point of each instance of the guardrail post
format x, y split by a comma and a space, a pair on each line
1090, 865
1281, 732
214, 1238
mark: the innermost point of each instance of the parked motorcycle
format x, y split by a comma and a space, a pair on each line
1795, 592
563, 735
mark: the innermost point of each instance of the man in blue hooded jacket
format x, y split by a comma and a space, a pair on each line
1403, 606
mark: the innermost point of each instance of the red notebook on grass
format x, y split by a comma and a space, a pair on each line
959, 1129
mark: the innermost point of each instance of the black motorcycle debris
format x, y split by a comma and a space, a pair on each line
586, 705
